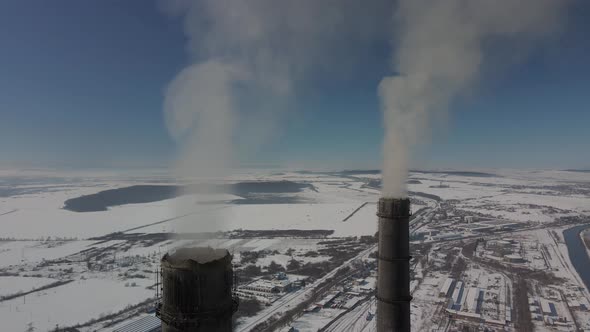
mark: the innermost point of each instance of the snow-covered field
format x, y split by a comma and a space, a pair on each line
40, 214
76, 302
10, 285
26, 252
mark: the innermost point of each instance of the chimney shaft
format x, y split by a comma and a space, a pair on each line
393, 282
197, 291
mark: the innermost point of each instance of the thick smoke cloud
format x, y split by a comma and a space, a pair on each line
247, 60
199, 109
439, 50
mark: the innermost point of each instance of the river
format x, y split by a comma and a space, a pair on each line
577, 252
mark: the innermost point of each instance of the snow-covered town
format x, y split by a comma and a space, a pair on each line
499, 249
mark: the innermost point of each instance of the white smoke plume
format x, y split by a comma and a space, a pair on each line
246, 61
439, 50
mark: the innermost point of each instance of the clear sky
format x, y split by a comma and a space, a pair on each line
82, 85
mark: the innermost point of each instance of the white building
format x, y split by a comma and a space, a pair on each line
472, 300
548, 308
458, 295
145, 324
445, 290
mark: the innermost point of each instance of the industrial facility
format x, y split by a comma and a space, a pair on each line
393, 281
197, 291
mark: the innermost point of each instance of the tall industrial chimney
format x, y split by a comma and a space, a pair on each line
197, 292
393, 281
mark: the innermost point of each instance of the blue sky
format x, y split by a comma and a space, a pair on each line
81, 85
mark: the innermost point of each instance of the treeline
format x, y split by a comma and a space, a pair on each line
19, 294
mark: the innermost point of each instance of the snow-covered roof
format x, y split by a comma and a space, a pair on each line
446, 287
145, 324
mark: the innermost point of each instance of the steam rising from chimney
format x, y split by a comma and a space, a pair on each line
199, 108
249, 58
439, 50
245, 60
232, 62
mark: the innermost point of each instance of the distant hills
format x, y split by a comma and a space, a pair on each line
577, 170
457, 173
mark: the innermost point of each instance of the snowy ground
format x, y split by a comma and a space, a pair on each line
12, 285
76, 302
38, 234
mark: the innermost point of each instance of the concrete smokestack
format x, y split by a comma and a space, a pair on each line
197, 291
393, 281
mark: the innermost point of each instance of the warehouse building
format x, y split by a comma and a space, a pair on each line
447, 287
145, 324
